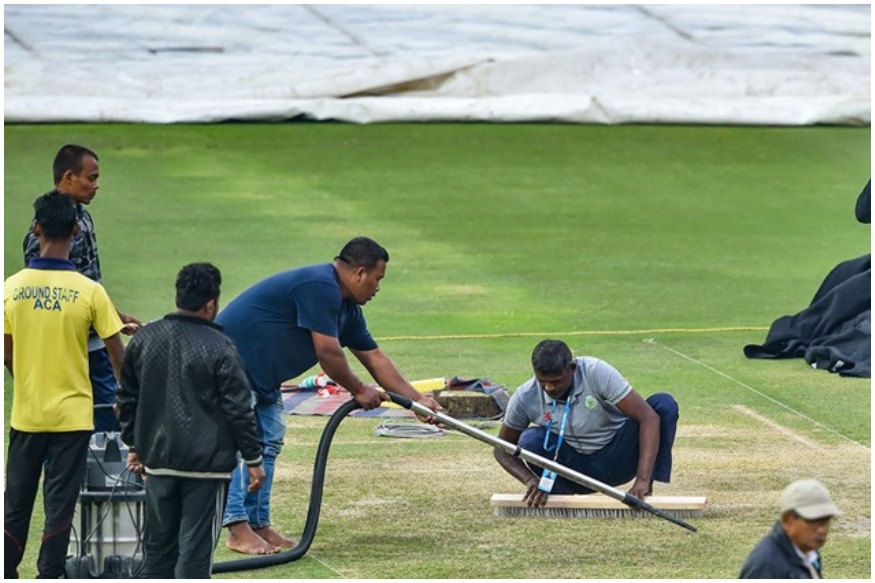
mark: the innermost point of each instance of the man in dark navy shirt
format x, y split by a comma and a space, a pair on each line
284, 325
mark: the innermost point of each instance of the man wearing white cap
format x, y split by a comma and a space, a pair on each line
789, 551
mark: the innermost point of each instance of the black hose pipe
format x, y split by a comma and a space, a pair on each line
309, 533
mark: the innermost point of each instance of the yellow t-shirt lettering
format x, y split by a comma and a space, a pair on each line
48, 313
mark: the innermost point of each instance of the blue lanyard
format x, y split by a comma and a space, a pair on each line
561, 427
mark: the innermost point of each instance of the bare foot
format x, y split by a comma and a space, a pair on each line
274, 538
242, 538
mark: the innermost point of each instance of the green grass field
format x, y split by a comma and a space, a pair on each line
661, 249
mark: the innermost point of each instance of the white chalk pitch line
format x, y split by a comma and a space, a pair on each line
327, 566
760, 393
777, 427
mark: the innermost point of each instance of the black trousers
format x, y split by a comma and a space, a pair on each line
63, 457
183, 524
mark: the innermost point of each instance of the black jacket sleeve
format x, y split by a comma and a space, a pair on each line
128, 393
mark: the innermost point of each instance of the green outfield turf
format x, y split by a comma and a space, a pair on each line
662, 249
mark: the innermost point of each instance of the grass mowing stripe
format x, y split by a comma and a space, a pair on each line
761, 394
504, 228
577, 333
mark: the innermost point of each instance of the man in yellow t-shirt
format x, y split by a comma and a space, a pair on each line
48, 309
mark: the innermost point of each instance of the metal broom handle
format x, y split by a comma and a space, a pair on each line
515, 450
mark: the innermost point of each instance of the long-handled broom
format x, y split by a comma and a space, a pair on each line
515, 450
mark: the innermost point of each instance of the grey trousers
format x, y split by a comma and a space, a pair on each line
183, 524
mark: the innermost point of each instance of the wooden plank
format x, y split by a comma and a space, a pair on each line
600, 501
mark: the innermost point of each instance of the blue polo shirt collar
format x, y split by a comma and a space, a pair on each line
52, 263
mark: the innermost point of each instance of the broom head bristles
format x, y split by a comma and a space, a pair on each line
595, 506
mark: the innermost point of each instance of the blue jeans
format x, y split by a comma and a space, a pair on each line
103, 388
617, 462
254, 507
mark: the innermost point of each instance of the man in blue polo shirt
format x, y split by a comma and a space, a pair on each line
284, 325
582, 413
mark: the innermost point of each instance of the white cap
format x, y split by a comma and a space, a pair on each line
809, 499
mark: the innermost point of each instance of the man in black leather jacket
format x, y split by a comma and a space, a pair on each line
185, 410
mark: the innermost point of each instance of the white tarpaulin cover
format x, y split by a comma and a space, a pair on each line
579, 63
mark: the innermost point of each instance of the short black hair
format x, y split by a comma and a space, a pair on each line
70, 157
196, 284
551, 357
363, 252
56, 215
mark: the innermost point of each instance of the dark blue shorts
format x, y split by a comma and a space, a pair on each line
617, 462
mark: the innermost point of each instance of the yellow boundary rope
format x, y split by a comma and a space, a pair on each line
576, 333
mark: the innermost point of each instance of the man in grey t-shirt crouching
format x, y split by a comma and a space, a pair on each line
583, 414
